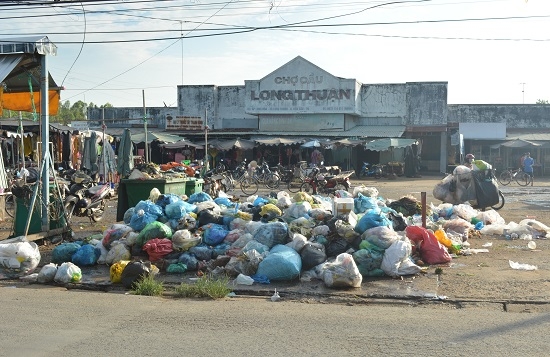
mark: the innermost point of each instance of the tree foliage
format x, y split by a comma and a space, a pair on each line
542, 101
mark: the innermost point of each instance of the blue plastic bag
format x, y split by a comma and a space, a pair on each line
201, 251
128, 214
86, 255
149, 207
214, 233
363, 203
175, 210
63, 253
282, 263
140, 221
199, 197
373, 218
260, 201
167, 198
189, 260
224, 201
272, 233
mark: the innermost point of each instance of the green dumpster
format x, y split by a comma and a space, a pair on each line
130, 192
35, 226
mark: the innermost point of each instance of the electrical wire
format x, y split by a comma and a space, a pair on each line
81, 47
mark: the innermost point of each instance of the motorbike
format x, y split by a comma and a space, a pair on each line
370, 171
214, 183
316, 182
85, 198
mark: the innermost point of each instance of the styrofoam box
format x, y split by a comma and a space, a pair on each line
342, 205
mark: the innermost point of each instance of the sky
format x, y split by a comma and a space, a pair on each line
129, 52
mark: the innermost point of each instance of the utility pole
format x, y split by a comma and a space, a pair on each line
523, 91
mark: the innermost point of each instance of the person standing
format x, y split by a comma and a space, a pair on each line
528, 163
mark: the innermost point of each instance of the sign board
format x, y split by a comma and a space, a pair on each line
184, 123
487, 131
80, 125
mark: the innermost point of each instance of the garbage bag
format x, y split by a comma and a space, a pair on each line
312, 254
397, 260
149, 207
381, 236
337, 246
68, 273
214, 234
176, 210
202, 252
166, 199
22, 257
368, 261
114, 233
176, 268
153, 230
342, 272
189, 260
372, 218
64, 252
431, 251
362, 203
199, 197
117, 253
140, 220
282, 263
133, 272
207, 216
272, 233
115, 271
245, 263
182, 240
128, 214
47, 273
86, 255
157, 248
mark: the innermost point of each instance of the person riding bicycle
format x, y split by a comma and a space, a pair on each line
528, 163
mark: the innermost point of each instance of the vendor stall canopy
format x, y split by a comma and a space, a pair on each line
20, 68
389, 143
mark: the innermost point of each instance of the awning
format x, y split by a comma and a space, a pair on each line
20, 64
163, 137
389, 143
181, 144
279, 140
518, 143
11, 134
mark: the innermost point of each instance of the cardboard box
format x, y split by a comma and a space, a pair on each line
342, 206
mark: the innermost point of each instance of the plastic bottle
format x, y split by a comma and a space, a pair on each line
479, 225
442, 238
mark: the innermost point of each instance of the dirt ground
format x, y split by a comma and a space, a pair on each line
483, 276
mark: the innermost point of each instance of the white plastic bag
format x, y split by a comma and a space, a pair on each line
243, 280
47, 273
522, 266
117, 253
23, 257
68, 273
396, 260
342, 272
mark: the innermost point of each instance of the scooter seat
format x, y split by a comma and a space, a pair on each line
92, 191
329, 177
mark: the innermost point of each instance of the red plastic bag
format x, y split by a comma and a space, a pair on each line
431, 251
157, 248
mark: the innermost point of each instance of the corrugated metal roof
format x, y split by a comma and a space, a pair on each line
28, 44
529, 136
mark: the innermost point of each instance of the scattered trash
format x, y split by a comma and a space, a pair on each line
275, 296
521, 266
532, 245
486, 245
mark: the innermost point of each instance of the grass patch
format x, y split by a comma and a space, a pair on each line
206, 286
148, 286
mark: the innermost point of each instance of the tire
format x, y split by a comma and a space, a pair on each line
306, 187
500, 203
272, 181
69, 210
523, 179
10, 205
98, 214
295, 184
249, 186
505, 177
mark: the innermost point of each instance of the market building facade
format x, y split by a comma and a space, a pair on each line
300, 100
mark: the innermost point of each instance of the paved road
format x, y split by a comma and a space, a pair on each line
51, 321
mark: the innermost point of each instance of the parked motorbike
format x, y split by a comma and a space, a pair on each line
85, 198
316, 182
370, 171
214, 183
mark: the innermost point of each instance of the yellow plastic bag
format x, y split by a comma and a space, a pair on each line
442, 238
115, 272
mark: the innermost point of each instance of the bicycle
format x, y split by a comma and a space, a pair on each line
522, 178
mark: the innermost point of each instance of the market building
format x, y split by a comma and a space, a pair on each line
301, 100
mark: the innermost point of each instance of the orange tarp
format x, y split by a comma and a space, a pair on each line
22, 101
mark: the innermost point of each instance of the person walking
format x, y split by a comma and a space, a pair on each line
528, 163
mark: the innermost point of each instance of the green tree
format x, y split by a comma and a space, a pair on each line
542, 101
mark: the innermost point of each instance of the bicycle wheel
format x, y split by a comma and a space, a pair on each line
306, 187
294, 184
505, 177
249, 186
272, 181
523, 179
10, 205
500, 203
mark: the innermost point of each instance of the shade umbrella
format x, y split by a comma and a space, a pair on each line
519, 143
125, 160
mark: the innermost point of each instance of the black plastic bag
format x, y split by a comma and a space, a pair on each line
312, 255
133, 272
337, 246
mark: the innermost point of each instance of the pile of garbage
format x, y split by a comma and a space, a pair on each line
278, 237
